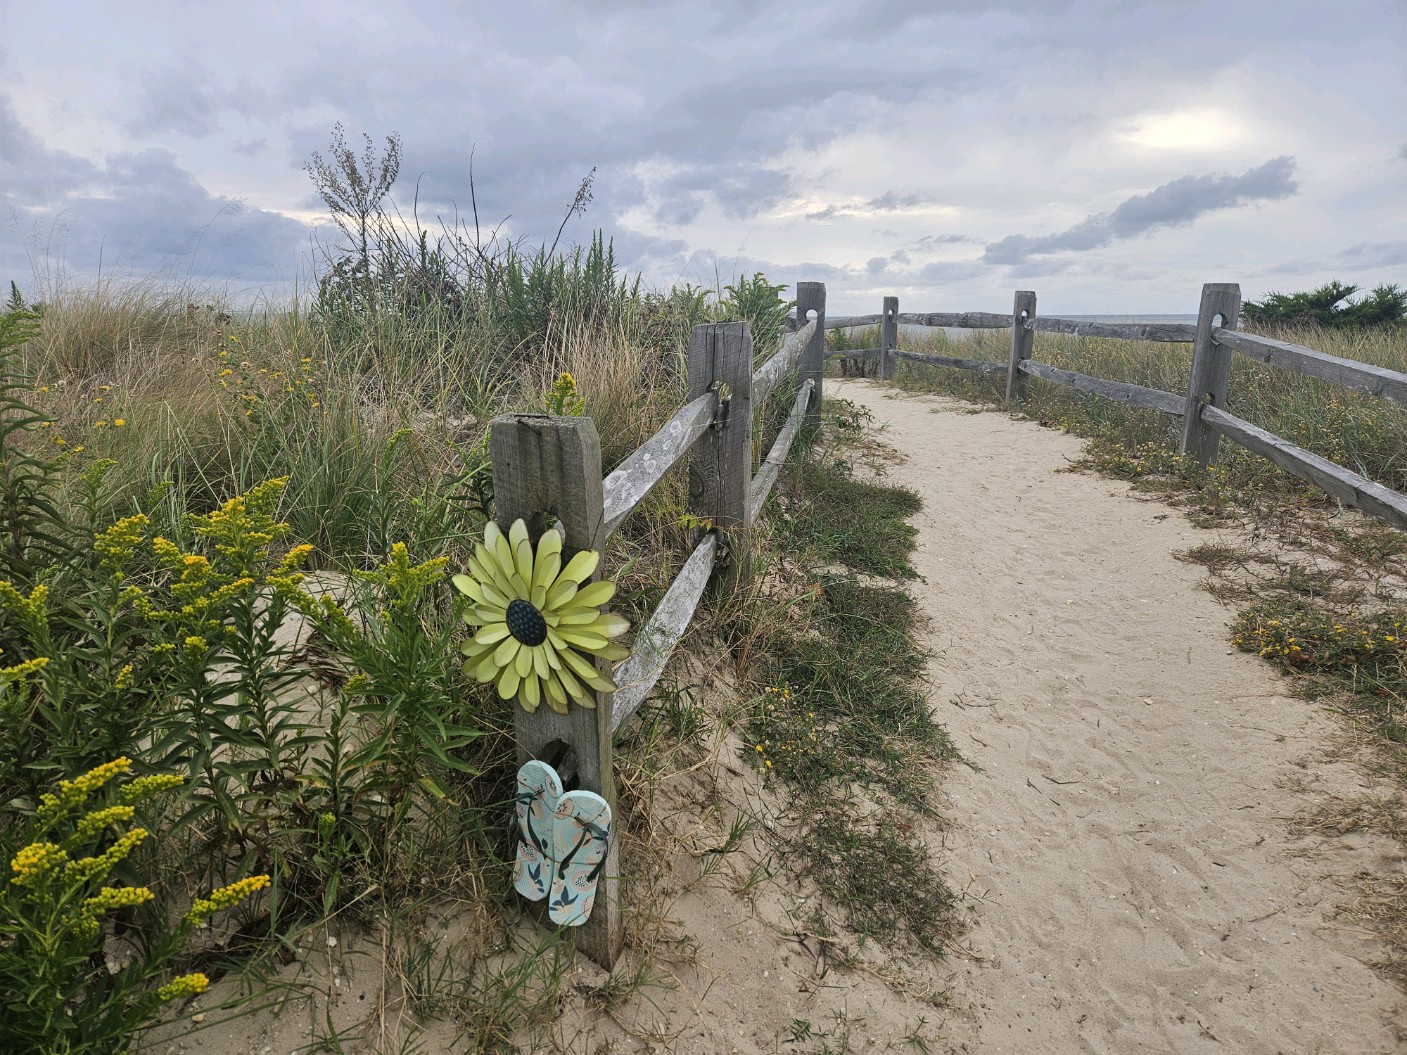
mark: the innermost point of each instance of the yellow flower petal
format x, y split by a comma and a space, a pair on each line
503, 552
562, 591
556, 695
530, 695
594, 595
612, 625
489, 613
613, 652
489, 570
506, 652
578, 617
539, 597
508, 682
492, 533
487, 635
549, 560
522, 552
580, 567
486, 669
585, 671
575, 636
540, 665
467, 586
573, 688
523, 661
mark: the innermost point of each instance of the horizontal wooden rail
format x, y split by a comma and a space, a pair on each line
962, 320
637, 675
854, 353
766, 477
1361, 377
1382, 502
770, 373
1181, 332
637, 476
1122, 391
980, 365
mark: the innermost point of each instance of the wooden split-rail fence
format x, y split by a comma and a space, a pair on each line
1202, 408
551, 466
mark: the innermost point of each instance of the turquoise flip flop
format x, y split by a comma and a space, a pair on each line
539, 789
580, 842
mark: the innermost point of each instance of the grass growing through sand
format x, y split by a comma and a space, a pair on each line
844, 723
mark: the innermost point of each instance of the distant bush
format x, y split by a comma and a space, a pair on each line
1329, 306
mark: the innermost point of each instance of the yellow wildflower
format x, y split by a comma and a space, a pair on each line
33, 861
115, 897
225, 897
186, 985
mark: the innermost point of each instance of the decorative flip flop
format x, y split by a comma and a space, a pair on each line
580, 842
539, 789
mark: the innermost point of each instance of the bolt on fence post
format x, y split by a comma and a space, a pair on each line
811, 296
1211, 370
549, 465
1023, 307
720, 464
888, 336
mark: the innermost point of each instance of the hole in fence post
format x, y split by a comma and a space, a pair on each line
1210, 376
562, 757
1023, 309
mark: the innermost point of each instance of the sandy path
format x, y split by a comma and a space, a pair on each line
1126, 829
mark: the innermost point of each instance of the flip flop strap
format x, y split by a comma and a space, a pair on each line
588, 829
526, 798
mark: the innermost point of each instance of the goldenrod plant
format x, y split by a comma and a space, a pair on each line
65, 916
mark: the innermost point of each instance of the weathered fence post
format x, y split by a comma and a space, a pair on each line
1022, 340
1211, 369
552, 466
720, 468
888, 336
811, 296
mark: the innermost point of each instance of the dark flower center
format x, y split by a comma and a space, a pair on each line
526, 623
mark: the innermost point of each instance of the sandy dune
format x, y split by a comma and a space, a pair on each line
1125, 825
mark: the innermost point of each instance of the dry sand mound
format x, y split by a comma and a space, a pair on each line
1125, 826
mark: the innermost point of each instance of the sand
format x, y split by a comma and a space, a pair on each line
1124, 825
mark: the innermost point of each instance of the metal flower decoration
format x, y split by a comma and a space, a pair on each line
536, 626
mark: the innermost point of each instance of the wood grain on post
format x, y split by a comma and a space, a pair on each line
811, 296
1022, 340
552, 466
1211, 369
888, 336
720, 469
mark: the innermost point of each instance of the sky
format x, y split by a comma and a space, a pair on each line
1111, 156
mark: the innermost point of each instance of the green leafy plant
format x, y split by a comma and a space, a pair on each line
1329, 306
758, 303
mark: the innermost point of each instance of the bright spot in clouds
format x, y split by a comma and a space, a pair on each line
1200, 128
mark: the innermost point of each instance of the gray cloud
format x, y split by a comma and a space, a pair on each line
1374, 254
889, 201
1174, 204
1402, 152
138, 211
186, 100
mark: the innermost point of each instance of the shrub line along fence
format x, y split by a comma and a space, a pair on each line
551, 466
